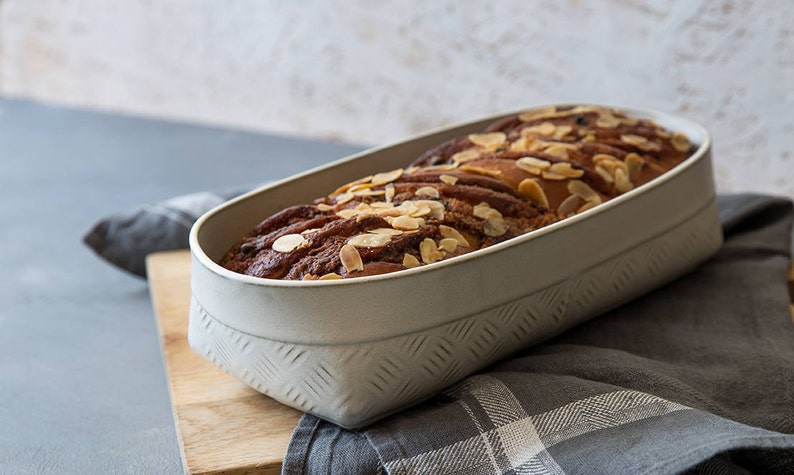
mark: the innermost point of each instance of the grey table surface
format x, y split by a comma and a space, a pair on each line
82, 384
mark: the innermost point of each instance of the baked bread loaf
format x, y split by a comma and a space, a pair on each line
518, 175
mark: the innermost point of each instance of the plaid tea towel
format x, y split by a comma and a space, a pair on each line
696, 377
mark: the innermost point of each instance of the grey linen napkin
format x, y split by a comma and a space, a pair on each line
696, 377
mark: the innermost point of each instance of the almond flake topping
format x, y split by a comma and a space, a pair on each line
532, 190
309, 277
546, 129
586, 206
409, 261
680, 142
569, 206
634, 163
344, 198
483, 210
558, 151
370, 240
552, 176
448, 179
350, 258
565, 168
522, 144
607, 121
622, 182
448, 232
465, 156
387, 177
494, 226
427, 191
324, 207
635, 140
405, 223
481, 171
491, 140
347, 213
448, 244
389, 195
604, 173
388, 231
289, 242
331, 276
583, 190
532, 162
430, 252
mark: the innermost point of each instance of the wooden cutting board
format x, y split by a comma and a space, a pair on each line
223, 425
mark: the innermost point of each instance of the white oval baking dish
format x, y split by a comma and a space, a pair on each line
352, 351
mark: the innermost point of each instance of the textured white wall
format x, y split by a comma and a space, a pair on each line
374, 71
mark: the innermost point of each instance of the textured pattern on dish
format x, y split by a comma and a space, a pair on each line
353, 384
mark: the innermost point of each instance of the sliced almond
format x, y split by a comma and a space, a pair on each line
552, 176
448, 232
448, 179
436, 208
309, 231
680, 142
483, 210
370, 240
494, 226
650, 146
309, 277
347, 213
533, 114
492, 140
558, 151
604, 173
429, 251
350, 258
481, 170
409, 261
324, 207
600, 157
387, 177
583, 190
389, 195
387, 231
532, 190
546, 129
634, 163
607, 120
369, 193
566, 169
635, 140
331, 276
381, 204
466, 156
522, 144
344, 198
405, 223
562, 131
586, 206
427, 191
527, 163
622, 182
569, 205
289, 242
448, 244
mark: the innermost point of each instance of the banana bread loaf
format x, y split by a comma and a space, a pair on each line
520, 174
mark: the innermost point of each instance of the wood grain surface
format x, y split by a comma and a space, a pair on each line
223, 425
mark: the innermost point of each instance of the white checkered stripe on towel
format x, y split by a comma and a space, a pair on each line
517, 442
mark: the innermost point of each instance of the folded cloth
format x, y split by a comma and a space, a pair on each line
696, 377
125, 238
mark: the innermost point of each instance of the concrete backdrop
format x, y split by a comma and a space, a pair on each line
368, 71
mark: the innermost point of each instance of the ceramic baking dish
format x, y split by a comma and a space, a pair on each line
352, 351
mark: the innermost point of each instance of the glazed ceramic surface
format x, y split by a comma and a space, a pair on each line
352, 351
